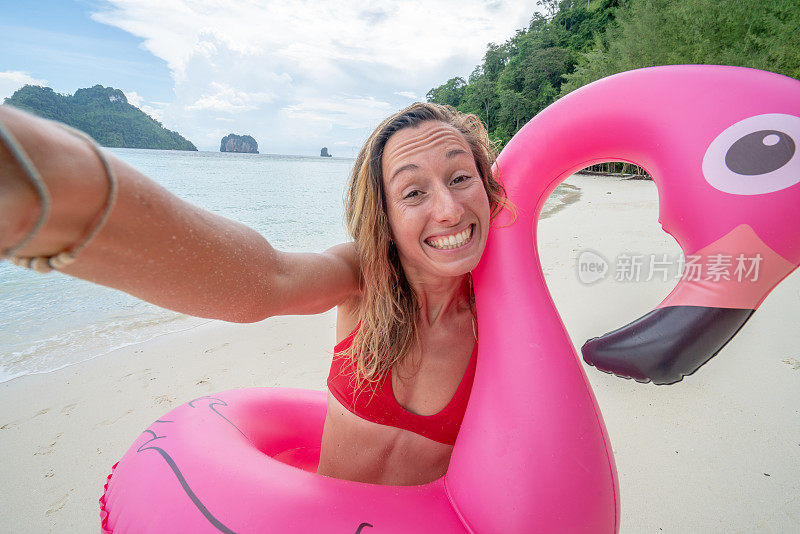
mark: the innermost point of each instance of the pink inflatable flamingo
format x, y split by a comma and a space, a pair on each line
532, 454
723, 147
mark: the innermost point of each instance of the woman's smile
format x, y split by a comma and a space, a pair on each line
436, 203
452, 241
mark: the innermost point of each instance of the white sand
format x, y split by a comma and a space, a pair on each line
718, 452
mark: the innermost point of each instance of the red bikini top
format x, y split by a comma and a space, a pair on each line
382, 406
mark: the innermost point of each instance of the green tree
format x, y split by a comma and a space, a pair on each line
450, 93
522, 76
480, 99
726, 32
494, 61
515, 111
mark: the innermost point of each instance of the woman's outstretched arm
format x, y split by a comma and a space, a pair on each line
154, 245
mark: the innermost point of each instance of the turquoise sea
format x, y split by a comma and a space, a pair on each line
51, 321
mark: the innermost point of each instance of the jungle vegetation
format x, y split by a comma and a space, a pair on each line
579, 41
102, 112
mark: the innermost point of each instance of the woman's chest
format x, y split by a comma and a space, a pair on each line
428, 380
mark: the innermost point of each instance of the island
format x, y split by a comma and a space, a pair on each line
324, 153
102, 112
238, 143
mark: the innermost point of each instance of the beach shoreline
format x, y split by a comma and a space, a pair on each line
719, 451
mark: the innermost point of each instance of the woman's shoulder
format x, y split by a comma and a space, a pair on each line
347, 254
348, 312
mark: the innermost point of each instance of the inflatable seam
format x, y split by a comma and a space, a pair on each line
103, 512
456, 509
611, 469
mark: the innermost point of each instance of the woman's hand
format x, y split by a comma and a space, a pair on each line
154, 245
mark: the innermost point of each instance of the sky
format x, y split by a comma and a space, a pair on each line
295, 75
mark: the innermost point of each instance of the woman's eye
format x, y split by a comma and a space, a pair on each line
460, 179
413, 194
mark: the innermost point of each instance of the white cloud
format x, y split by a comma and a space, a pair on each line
133, 98
408, 94
11, 80
157, 111
350, 112
340, 66
226, 98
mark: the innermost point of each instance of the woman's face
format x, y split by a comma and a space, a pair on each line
437, 206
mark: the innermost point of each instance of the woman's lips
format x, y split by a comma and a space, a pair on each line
451, 241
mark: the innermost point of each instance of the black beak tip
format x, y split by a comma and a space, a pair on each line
666, 344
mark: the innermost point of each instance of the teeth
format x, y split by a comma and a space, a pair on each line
452, 241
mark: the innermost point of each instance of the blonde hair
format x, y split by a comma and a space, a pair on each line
389, 308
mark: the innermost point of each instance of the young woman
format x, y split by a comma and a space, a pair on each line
419, 206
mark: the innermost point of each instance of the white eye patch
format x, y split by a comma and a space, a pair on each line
757, 155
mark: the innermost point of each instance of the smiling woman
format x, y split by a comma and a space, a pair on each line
531, 454
438, 202
418, 207
420, 203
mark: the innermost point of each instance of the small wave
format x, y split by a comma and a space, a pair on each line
77, 346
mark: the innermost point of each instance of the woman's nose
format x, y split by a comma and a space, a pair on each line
447, 208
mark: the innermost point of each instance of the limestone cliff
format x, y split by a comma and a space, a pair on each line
238, 143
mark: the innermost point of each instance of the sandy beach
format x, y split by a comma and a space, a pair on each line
718, 452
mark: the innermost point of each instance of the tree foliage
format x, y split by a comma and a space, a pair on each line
579, 41
522, 76
764, 35
102, 112
451, 92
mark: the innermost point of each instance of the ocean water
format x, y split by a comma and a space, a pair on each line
48, 322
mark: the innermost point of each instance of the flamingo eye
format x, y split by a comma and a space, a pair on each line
757, 155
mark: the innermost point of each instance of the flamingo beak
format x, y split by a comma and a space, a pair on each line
666, 344
699, 317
